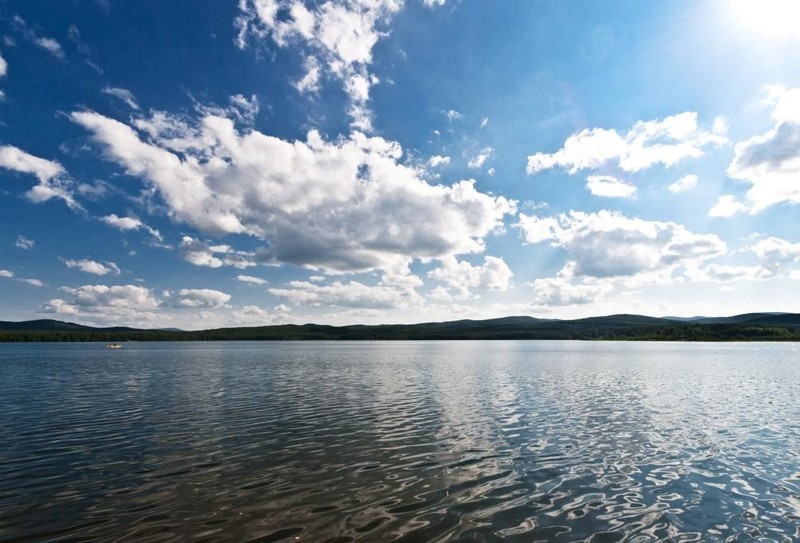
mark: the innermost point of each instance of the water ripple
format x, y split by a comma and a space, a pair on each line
400, 442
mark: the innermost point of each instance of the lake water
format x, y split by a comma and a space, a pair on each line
400, 441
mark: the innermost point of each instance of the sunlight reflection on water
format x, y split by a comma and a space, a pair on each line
400, 441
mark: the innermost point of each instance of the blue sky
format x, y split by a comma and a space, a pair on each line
175, 164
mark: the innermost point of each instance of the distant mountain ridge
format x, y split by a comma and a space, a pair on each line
50, 325
750, 326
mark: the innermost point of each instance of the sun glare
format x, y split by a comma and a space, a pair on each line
770, 18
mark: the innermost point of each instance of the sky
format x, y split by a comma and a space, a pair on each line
198, 165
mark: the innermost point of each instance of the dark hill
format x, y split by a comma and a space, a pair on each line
752, 326
50, 325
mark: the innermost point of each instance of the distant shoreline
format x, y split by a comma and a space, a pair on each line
749, 327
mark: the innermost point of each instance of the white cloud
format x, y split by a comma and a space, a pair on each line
200, 253
341, 206
484, 122
461, 276
50, 45
437, 160
92, 266
122, 223
770, 162
24, 243
94, 191
51, 175
775, 253
241, 108
310, 82
334, 36
122, 94
252, 280
204, 298
725, 273
119, 303
452, 115
726, 206
608, 244
482, 156
3, 66
129, 223
351, 294
434, 3
8, 274
252, 315
538, 229
16, 159
648, 143
559, 291
58, 306
609, 187
687, 182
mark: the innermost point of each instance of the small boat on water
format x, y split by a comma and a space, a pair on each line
114, 346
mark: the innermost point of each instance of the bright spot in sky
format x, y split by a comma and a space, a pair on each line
771, 18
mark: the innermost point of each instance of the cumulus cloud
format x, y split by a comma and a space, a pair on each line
341, 206
770, 162
608, 186
120, 303
94, 191
560, 291
666, 141
94, 267
726, 206
24, 243
335, 37
608, 244
239, 107
200, 253
461, 276
251, 280
53, 182
15, 159
775, 253
200, 298
252, 315
452, 115
122, 223
129, 223
3, 66
124, 95
350, 294
437, 160
478, 160
687, 182
723, 273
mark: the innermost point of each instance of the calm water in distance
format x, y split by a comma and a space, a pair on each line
400, 441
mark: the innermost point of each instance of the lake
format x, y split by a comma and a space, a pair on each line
400, 441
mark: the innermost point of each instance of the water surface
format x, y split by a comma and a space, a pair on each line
400, 441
